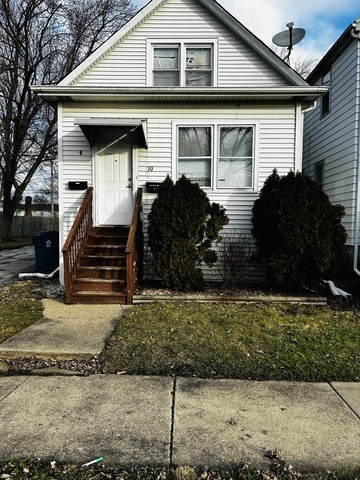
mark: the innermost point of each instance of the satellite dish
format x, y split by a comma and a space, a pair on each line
289, 38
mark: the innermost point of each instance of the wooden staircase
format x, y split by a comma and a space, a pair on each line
103, 264
101, 273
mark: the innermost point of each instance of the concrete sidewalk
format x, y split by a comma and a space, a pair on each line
150, 420
129, 420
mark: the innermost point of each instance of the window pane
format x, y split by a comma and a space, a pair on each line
166, 58
196, 79
194, 154
196, 170
166, 79
236, 142
194, 141
235, 173
198, 58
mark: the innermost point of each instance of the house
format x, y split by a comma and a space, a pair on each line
332, 132
182, 88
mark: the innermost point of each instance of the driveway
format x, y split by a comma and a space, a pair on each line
15, 261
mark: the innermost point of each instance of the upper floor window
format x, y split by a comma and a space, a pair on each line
182, 64
325, 99
166, 66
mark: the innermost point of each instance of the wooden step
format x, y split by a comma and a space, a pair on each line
96, 297
98, 285
102, 260
101, 272
104, 250
108, 236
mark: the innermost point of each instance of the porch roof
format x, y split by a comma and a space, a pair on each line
87, 125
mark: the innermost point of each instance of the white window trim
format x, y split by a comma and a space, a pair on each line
182, 43
215, 152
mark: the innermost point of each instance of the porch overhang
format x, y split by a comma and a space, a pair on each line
129, 125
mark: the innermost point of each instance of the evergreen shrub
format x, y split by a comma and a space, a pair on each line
183, 225
298, 231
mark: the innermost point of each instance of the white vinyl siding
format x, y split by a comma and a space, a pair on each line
333, 138
127, 63
275, 140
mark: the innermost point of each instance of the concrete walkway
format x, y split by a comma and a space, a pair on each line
158, 420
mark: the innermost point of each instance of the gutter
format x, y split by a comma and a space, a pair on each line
307, 94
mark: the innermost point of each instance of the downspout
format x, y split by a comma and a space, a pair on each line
356, 34
39, 275
299, 131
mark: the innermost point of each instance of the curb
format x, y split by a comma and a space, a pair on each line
140, 299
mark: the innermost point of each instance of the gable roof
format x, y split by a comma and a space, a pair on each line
216, 9
296, 90
349, 35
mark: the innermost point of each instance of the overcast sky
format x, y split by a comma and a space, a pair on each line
323, 20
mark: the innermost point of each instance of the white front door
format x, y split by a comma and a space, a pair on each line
114, 185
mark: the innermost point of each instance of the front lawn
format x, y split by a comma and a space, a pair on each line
222, 340
258, 342
20, 306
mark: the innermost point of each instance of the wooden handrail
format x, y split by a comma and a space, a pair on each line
75, 242
133, 249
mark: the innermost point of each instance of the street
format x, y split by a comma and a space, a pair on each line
15, 261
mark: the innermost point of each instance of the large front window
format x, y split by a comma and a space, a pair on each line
182, 64
217, 156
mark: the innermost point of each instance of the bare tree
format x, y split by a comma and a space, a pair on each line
302, 65
41, 42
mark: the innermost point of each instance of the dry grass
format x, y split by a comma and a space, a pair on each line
20, 306
262, 342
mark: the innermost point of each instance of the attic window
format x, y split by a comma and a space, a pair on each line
182, 64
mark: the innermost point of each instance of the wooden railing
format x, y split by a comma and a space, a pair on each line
134, 250
76, 240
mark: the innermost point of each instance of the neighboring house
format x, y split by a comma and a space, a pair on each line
332, 132
182, 88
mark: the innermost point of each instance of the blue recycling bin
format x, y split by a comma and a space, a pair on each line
46, 251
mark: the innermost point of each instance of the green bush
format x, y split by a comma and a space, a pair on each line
182, 227
298, 231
